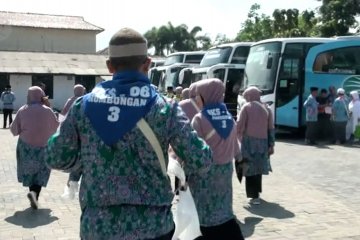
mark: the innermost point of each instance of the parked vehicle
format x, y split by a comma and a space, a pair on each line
225, 62
168, 74
285, 69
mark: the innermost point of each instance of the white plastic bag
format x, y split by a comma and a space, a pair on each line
71, 190
187, 226
186, 219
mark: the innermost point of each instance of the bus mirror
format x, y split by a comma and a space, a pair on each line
269, 62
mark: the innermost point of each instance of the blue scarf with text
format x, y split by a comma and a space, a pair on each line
114, 107
220, 118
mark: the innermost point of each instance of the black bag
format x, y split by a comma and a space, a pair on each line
239, 168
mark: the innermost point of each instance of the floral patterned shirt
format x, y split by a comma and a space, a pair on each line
126, 177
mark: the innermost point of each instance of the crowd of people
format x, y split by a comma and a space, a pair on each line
124, 191
332, 116
112, 137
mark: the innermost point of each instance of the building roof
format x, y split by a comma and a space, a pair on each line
52, 63
104, 51
36, 20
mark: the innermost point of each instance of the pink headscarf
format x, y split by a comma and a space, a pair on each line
211, 90
185, 93
34, 122
178, 90
79, 90
188, 105
252, 94
192, 90
35, 95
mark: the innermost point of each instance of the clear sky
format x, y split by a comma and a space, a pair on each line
214, 16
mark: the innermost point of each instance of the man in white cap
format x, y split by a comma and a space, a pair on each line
125, 192
340, 117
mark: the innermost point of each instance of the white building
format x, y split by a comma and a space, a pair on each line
59, 51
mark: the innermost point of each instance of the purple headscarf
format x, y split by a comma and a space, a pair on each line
211, 90
185, 94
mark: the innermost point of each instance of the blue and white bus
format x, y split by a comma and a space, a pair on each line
334, 64
285, 69
277, 67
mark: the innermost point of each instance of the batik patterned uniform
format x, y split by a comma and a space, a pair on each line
123, 193
213, 195
31, 168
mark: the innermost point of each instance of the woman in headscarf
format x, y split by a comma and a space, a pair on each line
185, 93
178, 91
74, 177
34, 123
189, 105
256, 133
79, 90
213, 193
354, 108
340, 117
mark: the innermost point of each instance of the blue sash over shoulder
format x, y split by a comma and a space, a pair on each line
114, 107
220, 118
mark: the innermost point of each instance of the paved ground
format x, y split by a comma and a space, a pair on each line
313, 193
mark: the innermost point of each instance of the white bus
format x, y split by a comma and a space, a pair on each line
225, 62
168, 74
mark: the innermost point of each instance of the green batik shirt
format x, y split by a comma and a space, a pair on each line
123, 192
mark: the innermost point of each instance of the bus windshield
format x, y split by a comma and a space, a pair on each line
178, 58
262, 65
216, 56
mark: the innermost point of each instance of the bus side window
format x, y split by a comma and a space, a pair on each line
323, 62
339, 61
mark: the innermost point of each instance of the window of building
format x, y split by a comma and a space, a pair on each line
46, 82
339, 61
4, 81
87, 81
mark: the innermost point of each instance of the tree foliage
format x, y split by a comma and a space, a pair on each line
332, 18
282, 23
337, 17
169, 38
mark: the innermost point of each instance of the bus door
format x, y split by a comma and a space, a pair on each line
289, 91
232, 77
233, 83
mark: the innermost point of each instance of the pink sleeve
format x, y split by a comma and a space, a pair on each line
66, 108
53, 123
241, 123
15, 126
237, 149
195, 123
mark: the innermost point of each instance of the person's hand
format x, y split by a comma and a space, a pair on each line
271, 150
